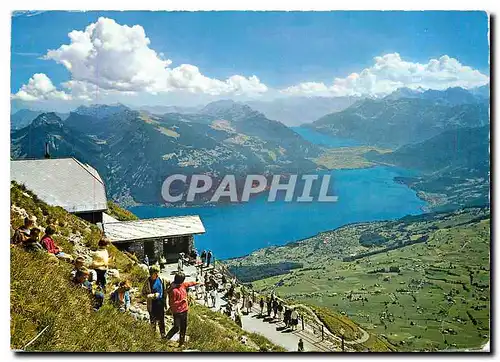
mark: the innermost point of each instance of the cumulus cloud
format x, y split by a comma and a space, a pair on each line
109, 57
390, 72
40, 87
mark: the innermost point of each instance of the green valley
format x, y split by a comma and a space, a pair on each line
420, 283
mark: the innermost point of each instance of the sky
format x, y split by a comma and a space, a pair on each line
62, 59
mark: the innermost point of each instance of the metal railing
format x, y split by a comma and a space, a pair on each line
307, 323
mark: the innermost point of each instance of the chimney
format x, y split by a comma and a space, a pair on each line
47, 153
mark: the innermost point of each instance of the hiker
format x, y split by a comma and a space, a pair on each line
32, 243
213, 297
261, 304
228, 310
269, 306
193, 256
249, 305
203, 257
280, 311
275, 308
286, 318
100, 260
51, 247
22, 233
146, 260
153, 290
209, 256
294, 316
301, 345
121, 296
177, 299
180, 263
81, 279
206, 296
163, 261
237, 316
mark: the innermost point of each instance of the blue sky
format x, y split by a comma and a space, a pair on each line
282, 49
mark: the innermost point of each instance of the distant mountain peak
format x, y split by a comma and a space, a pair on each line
46, 119
101, 110
227, 108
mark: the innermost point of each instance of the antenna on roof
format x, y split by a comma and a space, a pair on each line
47, 153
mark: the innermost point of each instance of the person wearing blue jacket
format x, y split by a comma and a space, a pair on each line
154, 291
121, 296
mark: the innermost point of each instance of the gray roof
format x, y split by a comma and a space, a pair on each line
152, 228
65, 182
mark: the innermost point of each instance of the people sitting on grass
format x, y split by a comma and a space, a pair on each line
100, 260
80, 263
32, 242
81, 279
121, 296
177, 299
22, 233
154, 291
49, 244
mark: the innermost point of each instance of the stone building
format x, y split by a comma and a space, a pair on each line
168, 236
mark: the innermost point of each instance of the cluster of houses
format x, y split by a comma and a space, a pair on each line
79, 189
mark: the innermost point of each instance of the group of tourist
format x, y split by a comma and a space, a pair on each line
93, 278
280, 312
157, 290
28, 237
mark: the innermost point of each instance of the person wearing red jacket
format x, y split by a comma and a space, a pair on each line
51, 247
177, 300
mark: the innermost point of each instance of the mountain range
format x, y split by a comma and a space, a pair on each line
444, 135
134, 152
396, 122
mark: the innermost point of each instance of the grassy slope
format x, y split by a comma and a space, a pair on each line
41, 296
118, 213
419, 308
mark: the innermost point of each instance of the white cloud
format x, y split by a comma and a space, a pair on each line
109, 57
390, 72
40, 87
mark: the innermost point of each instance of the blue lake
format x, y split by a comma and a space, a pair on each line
237, 229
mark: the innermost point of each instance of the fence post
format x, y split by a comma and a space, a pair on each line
302, 319
322, 332
342, 339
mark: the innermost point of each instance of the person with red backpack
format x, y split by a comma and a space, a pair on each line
178, 302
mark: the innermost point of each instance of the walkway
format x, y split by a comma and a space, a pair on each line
254, 323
